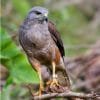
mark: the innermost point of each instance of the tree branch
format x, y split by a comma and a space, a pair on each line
68, 94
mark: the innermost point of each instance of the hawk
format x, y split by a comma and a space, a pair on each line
43, 46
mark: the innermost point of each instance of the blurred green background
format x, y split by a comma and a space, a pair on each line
78, 23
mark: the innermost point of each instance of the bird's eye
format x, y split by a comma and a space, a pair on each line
38, 13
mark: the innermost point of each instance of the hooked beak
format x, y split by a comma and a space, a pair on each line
46, 16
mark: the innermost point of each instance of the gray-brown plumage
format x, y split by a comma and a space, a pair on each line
43, 46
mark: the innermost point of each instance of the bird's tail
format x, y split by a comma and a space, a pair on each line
63, 77
64, 80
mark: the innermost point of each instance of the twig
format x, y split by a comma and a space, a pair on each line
68, 94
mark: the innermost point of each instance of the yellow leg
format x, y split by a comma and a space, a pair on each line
41, 87
37, 66
41, 83
54, 69
54, 81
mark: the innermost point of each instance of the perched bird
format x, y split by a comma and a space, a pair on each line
43, 45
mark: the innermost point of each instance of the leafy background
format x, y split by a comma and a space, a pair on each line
72, 21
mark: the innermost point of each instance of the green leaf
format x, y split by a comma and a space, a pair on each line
24, 70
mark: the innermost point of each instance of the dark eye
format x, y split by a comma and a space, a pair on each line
38, 13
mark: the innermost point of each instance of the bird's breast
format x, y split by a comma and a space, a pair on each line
38, 34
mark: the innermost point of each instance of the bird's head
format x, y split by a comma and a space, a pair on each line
38, 13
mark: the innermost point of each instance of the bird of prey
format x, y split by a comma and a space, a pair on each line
43, 45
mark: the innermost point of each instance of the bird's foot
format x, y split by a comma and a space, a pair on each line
39, 93
53, 82
54, 86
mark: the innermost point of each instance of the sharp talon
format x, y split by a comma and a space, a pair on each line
49, 82
54, 83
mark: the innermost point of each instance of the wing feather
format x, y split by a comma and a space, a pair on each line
56, 37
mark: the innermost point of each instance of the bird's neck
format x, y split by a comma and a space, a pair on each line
29, 22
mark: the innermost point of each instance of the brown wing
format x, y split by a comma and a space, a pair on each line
56, 37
